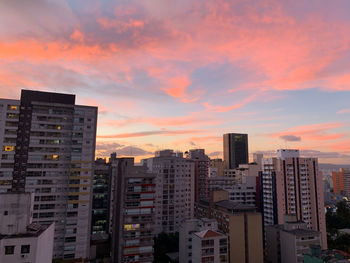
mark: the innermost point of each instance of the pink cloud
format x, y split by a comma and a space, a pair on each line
314, 132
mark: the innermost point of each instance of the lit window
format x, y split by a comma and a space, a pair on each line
55, 157
12, 107
131, 227
59, 127
8, 148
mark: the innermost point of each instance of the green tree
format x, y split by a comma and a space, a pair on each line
165, 243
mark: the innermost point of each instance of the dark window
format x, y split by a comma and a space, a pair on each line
9, 250
25, 249
6, 213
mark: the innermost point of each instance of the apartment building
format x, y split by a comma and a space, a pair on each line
240, 222
201, 172
200, 241
291, 184
175, 190
132, 212
341, 182
47, 145
288, 242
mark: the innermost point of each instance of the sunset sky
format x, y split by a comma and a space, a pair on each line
179, 74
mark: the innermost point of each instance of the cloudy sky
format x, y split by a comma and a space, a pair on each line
179, 74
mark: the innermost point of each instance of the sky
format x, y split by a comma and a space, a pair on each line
179, 74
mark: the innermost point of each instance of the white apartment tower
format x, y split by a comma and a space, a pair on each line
47, 145
174, 189
292, 185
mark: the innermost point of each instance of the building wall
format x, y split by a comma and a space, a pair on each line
298, 189
133, 213
186, 230
40, 250
338, 183
272, 244
44, 249
54, 161
15, 212
235, 149
255, 237
174, 190
237, 238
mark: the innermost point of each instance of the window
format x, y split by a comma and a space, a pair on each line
6, 213
12, 107
8, 148
9, 250
25, 249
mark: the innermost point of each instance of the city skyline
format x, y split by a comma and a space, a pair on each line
180, 74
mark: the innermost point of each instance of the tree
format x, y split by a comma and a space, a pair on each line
165, 243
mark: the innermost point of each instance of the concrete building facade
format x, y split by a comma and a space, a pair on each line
287, 243
240, 222
292, 185
235, 150
201, 172
133, 212
341, 182
20, 239
47, 144
175, 177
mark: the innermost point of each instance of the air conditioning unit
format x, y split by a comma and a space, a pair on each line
24, 256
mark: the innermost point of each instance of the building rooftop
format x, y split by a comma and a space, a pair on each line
33, 230
235, 207
208, 234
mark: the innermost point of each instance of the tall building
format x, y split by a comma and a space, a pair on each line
20, 239
287, 243
100, 214
240, 222
47, 144
132, 212
341, 182
174, 189
201, 172
101, 198
235, 150
292, 185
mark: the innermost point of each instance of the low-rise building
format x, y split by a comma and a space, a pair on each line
240, 222
288, 242
20, 239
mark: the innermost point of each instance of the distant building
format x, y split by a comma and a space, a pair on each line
242, 191
20, 239
132, 212
235, 150
292, 185
47, 144
219, 165
288, 242
175, 189
240, 222
341, 182
201, 172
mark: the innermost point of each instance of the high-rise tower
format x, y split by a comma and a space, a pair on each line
47, 144
235, 150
